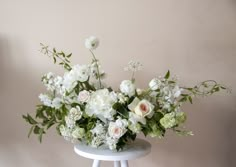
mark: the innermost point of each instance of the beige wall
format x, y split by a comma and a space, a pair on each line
196, 39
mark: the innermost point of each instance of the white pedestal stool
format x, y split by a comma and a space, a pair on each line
136, 149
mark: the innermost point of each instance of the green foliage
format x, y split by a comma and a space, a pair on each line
167, 76
121, 109
57, 56
153, 126
45, 118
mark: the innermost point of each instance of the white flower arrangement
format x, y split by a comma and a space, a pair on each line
84, 109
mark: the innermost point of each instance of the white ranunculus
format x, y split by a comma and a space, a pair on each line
127, 87
82, 72
91, 43
154, 84
77, 73
100, 104
84, 96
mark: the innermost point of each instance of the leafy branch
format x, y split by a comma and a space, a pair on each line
45, 118
204, 88
63, 58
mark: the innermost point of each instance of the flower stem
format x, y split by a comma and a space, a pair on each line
96, 61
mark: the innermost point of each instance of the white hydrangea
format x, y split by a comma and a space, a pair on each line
91, 43
135, 128
127, 87
100, 104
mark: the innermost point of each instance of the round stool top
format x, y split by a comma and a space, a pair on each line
133, 150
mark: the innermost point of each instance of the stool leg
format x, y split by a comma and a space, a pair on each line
96, 163
116, 163
124, 163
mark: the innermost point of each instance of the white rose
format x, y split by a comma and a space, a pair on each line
116, 131
82, 72
91, 43
144, 108
127, 87
84, 96
154, 84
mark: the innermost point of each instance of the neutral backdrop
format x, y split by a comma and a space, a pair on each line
195, 39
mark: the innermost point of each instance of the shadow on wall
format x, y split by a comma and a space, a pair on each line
18, 96
3, 52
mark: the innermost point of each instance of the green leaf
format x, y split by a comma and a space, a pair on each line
29, 119
190, 99
30, 131
68, 56
36, 129
167, 75
54, 60
41, 132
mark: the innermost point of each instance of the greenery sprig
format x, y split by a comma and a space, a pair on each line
61, 56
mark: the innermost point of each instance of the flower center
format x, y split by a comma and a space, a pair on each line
143, 108
117, 131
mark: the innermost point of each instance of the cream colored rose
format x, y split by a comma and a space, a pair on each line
144, 108
116, 131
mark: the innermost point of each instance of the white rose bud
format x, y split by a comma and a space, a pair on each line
127, 87
91, 43
144, 108
84, 96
